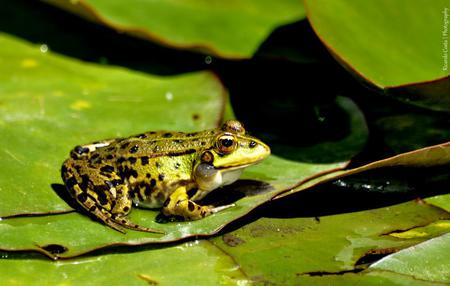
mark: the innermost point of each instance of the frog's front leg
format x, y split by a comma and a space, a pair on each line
179, 204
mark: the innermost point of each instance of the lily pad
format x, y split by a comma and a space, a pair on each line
151, 267
273, 251
433, 156
390, 44
228, 29
427, 261
49, 104
442, 201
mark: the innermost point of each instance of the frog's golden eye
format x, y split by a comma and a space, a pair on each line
226, 144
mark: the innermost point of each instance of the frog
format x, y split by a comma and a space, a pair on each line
167, 170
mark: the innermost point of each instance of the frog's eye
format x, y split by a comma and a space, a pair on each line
226, 144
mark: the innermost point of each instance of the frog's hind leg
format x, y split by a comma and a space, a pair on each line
106, 201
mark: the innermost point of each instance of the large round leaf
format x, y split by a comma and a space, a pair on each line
229, 29
390, 44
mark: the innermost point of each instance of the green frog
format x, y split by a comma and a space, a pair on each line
172, 170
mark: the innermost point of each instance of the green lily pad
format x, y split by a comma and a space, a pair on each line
390, 44
49, 104
427, 261
294, 251
151, 267
437, 155
228, 29
442, 201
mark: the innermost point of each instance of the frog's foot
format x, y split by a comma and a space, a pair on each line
179, 204
118, 223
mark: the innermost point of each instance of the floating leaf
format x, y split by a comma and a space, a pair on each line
371, 40
438, 155
151, 267
229, 29
293, 251
427, 261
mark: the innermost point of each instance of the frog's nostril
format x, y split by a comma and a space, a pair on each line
252, 144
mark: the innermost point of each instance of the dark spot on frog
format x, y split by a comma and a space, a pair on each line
81, 150
191, 206
148, 190
116, 182
142, 136
167, 202
82, 197
107, 169
84, 182
133, 173
157, 164
126, 208
121, 160
203, 143
252, 144
95, 156
195, 116
101, 195
232, 240
132, 160
167, 135
144, 160
124, 145
148, 175
54, 248
92, 209
109, 157
152, 132
71, 182
152, 183
192, 134
161, 177
63, 169
134, 149
177, 165
110, 148
177, 141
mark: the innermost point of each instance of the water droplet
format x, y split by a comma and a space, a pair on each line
169, 96
43, 48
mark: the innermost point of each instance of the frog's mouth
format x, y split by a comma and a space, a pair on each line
237, 167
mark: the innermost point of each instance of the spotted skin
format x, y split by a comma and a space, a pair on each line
164, 169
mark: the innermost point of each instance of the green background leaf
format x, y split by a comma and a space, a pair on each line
229, 29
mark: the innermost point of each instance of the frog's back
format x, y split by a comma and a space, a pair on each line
161, 143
